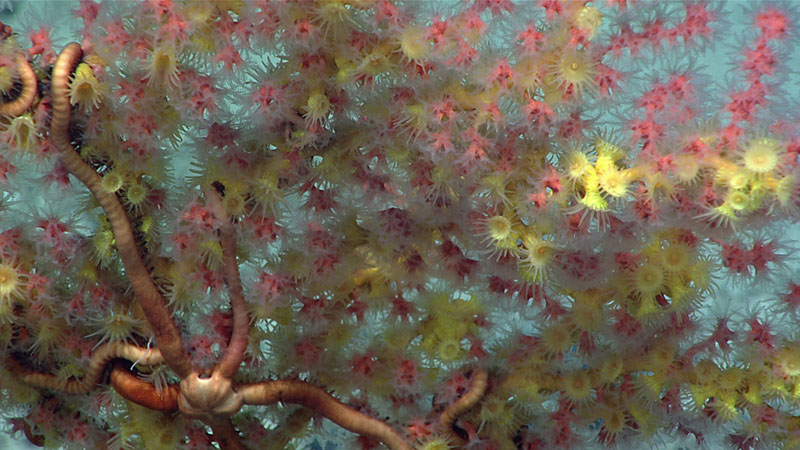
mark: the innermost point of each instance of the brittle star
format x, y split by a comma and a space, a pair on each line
211, 396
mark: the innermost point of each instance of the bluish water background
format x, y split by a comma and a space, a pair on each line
717, 63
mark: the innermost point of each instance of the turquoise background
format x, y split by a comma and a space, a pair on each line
717, 61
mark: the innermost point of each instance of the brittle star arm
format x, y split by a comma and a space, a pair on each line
101, 356
470, 398
147, 295
29, 89
141, 392
34, 439
316, 398
234, 353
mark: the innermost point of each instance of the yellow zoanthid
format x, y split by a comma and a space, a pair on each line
589, 20
414, 44
578, 386
537, 257
11, 281
573, 69
162, 66
586, 313
761, 155
577, 165
614, 182
85, 89
499, 233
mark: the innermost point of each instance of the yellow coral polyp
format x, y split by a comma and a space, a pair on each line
578, 386
112, 181
589, 20
85, 89
413, 44
752, 393
722, 215
434, 443
162, 66
614, 182
676, 258
784, 190
788, 359
6, 79
21, 132
333, 16
449, 350
731, 378
497, 411
538, 255
724, 404
119, 325
586, 313
661, 356
573, 68
604, 162
734, 176
606, 148
556, 339
11, 282
614, 422
415, 117
611, 368
706, 372
686, 169
47, 337
211, 252
577, 165
317, 107
647, 280
594, 201
647, 307
761, 155
136, 194
737, 200
498, 228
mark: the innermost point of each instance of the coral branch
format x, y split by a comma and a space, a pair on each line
101, 356
463, 404
234, 354
141, 392
300, 392
28, 93
151, 301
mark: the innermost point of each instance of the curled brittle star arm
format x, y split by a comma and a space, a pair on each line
101, 356
147, 295
28, 93
316, 398
448, 417
234, 353
141, 392
34, 439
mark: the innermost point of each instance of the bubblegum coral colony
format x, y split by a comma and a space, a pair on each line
483, 224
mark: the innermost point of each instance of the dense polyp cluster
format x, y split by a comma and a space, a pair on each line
480, 224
